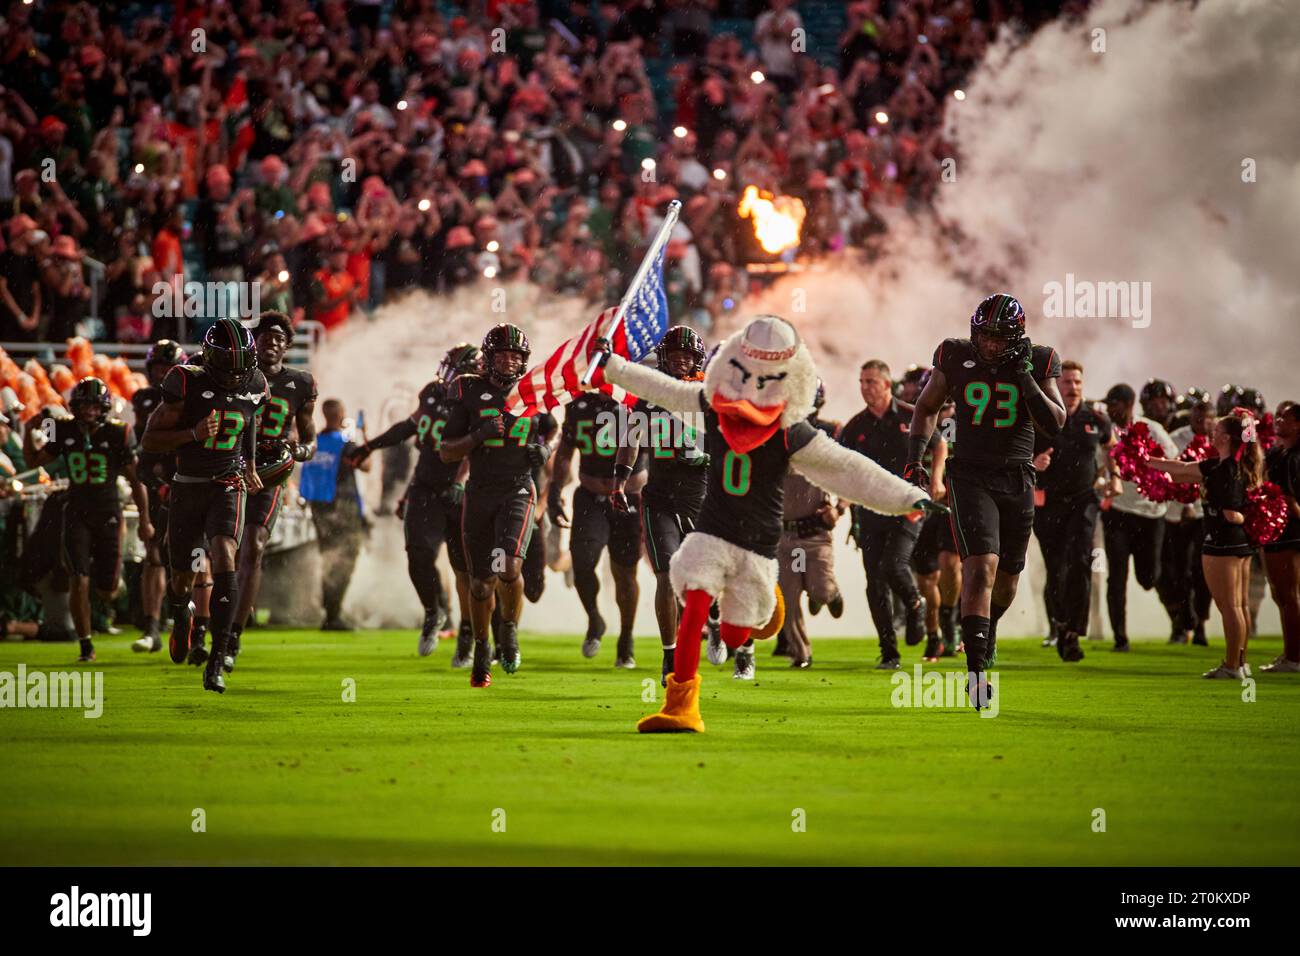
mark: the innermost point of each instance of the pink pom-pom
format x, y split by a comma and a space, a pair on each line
1198, 449
1265, 513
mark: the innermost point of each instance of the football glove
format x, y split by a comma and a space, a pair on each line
537, 454
1020, 360
917, 474
931, 507
454, 495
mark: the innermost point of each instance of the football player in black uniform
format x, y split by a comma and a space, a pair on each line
1004, 388
497, 515
209, 417
95, 450
286, 433
155, 472
1067, 521
674, 488
432, 503
611, 474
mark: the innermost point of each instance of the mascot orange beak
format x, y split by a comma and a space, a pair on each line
745, 425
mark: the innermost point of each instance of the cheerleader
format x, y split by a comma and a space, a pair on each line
1225, 556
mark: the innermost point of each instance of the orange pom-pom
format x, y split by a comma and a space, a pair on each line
61, 378
79, 350
37, 371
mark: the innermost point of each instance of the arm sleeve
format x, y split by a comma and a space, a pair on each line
854, 477
395, 435
655, 387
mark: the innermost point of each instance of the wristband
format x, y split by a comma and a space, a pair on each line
916, 446
622, 472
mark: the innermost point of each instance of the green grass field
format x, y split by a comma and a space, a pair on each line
414, 770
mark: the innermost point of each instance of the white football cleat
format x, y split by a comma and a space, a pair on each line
150, 643
744, 664
1223, 672
1281, 665
716, 651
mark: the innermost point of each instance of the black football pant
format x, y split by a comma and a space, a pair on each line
1129, 536
1182, 581
1065, 530
887, 542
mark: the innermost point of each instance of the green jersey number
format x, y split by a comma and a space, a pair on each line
979, 395
518, 431
432, 428
276, 412
661, 437
602, 444
229, 428
735, 473
87, 468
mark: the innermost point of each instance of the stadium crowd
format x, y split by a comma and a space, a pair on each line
343, 154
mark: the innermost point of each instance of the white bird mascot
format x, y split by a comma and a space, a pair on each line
755, 400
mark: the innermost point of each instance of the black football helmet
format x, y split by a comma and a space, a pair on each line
274, 463
1157, 388
90, 394
164, 352
681, 338
1252, 399
1000, 318
460, 359
1229, 397
504, 338
1192, 397
229, 353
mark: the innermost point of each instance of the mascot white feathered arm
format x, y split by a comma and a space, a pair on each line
857, 478
655, 387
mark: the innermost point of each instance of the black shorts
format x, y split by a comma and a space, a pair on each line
1227, 550
596, 526
993, 512
925, 556
496, 523
664, 526
201, 511
92, 544
264, 508
432, 521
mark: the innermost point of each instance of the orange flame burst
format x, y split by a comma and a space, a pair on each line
777, 219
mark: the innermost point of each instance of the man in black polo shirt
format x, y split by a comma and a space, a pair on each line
1065, 524
880, 433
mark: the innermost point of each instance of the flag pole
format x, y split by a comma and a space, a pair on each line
670, 220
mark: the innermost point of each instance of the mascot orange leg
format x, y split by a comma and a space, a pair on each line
681, 710
734, 635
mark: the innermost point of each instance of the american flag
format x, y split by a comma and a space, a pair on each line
558, 380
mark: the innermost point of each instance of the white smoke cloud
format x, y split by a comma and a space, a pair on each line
1125, 165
